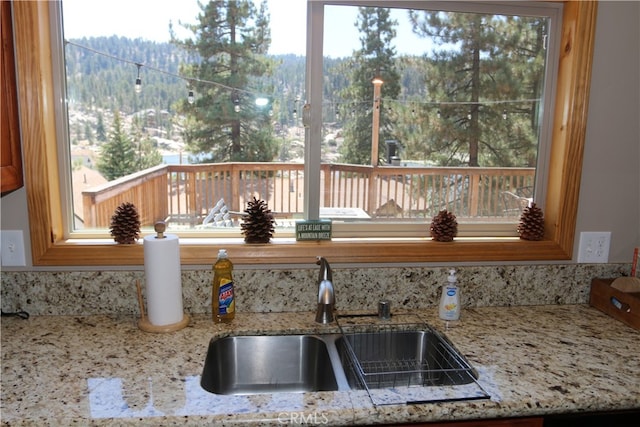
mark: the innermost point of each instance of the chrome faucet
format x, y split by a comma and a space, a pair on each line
326, 296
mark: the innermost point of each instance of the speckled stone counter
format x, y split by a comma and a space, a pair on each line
102, 370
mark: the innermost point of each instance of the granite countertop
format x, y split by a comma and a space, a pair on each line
103, 370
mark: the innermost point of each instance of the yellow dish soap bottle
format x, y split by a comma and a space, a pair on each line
223, 299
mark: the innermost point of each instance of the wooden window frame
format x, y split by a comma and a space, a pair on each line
42, 176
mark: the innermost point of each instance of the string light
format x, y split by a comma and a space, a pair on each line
191, 96
295, 107
262, 102
412, 106
414, 103
138, 86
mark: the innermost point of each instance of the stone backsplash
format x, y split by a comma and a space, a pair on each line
278, 290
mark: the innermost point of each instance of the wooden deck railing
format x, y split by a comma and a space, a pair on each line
186, 193
146, 189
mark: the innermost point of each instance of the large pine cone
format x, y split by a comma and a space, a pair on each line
444, 226
531, 226
257, 222
125, 224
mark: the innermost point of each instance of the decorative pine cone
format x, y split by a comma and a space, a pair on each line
125, 224
257, 222
531, 226
444, 226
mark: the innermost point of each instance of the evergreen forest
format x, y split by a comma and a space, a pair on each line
477, 104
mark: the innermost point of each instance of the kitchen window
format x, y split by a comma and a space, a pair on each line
51, 247
458, 121
426, 113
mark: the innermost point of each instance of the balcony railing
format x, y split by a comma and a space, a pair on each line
185, 194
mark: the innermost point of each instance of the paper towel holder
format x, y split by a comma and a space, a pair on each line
144, 323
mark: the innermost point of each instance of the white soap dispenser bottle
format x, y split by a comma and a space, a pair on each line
450, 300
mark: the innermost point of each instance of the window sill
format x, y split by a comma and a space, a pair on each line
287, 251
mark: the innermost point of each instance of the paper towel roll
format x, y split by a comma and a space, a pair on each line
163, 282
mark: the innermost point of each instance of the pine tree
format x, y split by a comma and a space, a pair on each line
147, 153
374, 59
230, 40
101, 132
495, 58
123, 154
118, 156
88, 132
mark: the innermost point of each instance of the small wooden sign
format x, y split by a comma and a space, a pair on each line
313, 230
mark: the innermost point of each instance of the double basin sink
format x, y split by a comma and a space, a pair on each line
333, 362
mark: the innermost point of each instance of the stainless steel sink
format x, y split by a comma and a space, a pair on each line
402, 358
268, 364
394, 366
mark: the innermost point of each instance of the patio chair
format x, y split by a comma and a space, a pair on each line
218, 216
389, 209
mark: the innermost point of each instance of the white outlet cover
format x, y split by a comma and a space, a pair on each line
594, 247
12, 248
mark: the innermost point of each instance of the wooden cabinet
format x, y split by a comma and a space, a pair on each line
503, 422
10, 156
624, 418
507, 422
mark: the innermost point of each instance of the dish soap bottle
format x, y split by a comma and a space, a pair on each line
450, 300
223, 299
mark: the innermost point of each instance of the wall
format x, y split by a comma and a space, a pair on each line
610, 189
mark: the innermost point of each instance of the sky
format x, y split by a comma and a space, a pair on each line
150, 19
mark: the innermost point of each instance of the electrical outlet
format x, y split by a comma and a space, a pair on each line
594, 247
12, 248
